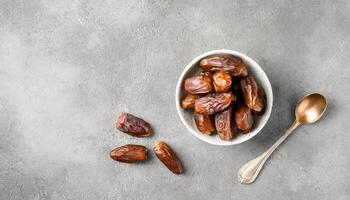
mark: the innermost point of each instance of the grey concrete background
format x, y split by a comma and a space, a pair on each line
68, 68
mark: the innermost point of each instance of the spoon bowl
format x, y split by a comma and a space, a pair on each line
310, 108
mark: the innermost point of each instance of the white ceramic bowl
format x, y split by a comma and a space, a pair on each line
186, 116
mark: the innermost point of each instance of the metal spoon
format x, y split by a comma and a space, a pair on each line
308, 111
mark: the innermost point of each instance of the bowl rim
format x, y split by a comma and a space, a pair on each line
178, 101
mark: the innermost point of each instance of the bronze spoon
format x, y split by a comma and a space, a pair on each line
308, 111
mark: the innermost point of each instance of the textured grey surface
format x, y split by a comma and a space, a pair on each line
68, 68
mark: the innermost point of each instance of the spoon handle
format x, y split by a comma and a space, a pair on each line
248, 172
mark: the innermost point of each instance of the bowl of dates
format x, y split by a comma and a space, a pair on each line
224, 97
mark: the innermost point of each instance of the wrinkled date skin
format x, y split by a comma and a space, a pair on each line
232, 64
168, 157
223, 124
262, 97
200, 84
222, 81
205, 123
129, 153
188, 101
133, 125
243, 118
208, 74
250, 89
213, 103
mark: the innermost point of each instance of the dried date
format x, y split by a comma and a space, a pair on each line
133, 125
204, 123
129, 153
168, 157
223, 124
213, 103
232, 64
250, 89
188, 101
243, 118
199, 84
222, 81
262, 97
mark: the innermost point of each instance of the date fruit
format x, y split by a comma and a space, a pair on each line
213, 103
168, 157
223, 124
250, 89
133, 125
243, 118
232, 64
129, 153
199, 84
222, 81
204, 123
188, 101
262, 97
